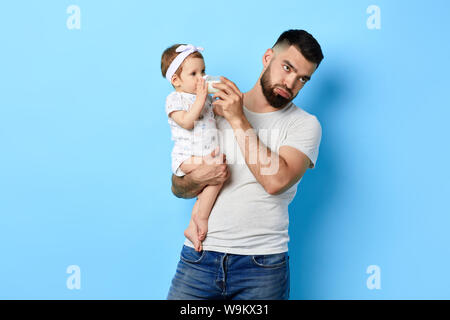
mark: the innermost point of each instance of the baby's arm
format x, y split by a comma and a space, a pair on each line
186, 119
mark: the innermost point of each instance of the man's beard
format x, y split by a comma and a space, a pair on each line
275, 100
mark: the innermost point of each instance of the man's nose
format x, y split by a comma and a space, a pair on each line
289, 82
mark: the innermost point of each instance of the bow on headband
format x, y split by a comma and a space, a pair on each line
184, 50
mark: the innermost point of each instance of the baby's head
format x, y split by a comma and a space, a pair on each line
184, 78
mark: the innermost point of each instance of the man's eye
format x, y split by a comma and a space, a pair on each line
193, 73
303, 80
286, 68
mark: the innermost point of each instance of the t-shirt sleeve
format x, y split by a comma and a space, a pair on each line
174, 102
305, 135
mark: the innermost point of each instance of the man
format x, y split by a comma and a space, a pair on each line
272, 143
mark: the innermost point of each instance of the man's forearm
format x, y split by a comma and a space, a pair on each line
184, 187
267, 166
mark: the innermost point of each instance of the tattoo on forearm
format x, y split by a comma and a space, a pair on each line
182, 188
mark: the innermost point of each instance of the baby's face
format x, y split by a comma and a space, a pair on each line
193, 69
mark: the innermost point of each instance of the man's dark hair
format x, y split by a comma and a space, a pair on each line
304, 42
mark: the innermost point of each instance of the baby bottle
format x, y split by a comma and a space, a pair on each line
209, 81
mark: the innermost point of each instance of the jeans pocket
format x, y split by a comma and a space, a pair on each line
270, 260
189, 255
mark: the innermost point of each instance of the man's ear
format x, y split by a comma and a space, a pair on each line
268, 55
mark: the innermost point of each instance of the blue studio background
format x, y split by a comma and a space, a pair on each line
85, 145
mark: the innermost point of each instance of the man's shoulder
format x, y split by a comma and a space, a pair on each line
296, 114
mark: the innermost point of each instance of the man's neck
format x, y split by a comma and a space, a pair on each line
254, 100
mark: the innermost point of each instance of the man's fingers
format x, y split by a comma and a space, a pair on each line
218, 107
223, 87
218, 110
231, 85
225, 175
213, 157
224, 169
213, 153
221, 95
216, 151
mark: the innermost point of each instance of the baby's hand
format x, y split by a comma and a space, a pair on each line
202, 88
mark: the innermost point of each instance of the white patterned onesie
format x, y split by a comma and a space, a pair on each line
199, 141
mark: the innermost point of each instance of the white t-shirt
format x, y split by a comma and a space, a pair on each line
245, 218
199, 141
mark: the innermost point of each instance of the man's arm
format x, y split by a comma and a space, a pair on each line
184, 187
213, 171
275, 172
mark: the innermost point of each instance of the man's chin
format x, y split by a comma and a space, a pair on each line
281, 105
273, 97
278, 101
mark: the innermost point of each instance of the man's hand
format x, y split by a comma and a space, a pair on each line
230, 102
213, 171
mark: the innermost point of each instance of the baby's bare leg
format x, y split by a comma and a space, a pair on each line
198, 225
191, 231
206, 200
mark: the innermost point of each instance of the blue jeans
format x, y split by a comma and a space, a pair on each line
217, 276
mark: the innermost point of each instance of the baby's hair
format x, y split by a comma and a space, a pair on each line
170, 54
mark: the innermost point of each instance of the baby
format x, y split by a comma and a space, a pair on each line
193, 127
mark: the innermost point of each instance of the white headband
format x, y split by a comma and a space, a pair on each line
176, 63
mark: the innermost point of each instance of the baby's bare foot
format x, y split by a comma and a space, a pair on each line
192, 234
202, 226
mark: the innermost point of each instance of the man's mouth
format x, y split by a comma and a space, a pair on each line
282, 93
